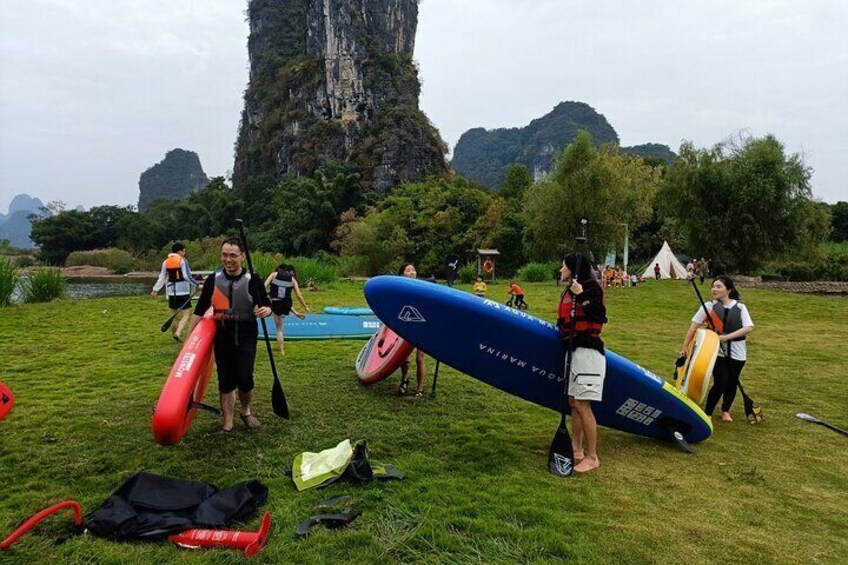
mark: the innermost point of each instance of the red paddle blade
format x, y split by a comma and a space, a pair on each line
7, 400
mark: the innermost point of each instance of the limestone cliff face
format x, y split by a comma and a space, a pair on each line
174, 178
335, 79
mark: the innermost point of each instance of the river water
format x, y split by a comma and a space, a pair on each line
100, 287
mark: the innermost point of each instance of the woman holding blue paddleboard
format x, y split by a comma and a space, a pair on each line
732, 322
582, 314
408, 270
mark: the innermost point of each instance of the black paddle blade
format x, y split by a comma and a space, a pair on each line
681, 442
278, 399
167, 324
561, 455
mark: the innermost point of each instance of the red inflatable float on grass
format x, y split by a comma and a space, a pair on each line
381, 356
183, 391
7, 400
36, 518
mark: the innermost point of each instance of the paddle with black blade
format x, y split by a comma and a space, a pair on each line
435, 378
561, 453
278, 397
814, 420
753, 412
170, 321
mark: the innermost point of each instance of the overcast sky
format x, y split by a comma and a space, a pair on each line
93, 92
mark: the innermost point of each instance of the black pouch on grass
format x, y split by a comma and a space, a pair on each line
149, 506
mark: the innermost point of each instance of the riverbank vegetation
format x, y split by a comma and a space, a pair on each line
745, 203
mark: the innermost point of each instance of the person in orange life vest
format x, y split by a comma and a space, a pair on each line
733, 322
408, 270
588, 363
176, 274
237, 300
282, 282
515, 290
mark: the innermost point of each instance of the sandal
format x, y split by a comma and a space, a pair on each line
404, 386
419, 393
250, 421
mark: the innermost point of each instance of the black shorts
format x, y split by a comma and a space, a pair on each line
235, 365
282, 307
179, 302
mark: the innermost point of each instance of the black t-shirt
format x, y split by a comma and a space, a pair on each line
244, 330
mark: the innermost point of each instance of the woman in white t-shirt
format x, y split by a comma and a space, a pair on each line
733, 322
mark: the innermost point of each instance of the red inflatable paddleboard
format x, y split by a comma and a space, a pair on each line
186, 385
7, 400
382, 356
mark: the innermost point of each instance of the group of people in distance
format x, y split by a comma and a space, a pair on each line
238, 300
702, 268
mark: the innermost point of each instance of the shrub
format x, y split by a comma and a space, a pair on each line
467, 273
831, 264
538, 272
264, 263
117, 260
9, 276
43, 285
320, 272
23, 261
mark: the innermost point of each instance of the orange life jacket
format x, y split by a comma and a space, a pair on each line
174, 267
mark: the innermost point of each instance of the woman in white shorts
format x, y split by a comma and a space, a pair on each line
588, 363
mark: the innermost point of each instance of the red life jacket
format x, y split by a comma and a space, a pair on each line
582, 325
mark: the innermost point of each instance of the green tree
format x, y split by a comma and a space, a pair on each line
57, 236
599, 184
744, 203
839, 222
518, 180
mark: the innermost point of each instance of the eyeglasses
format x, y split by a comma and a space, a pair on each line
230, 256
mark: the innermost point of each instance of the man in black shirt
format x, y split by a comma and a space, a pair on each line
237, 300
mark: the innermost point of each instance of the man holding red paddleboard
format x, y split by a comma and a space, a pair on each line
237, 300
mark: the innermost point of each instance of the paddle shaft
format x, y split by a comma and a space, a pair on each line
569, 352
831, 426
170, 321
278, 397
435, 378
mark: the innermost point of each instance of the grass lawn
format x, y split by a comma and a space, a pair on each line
86, 375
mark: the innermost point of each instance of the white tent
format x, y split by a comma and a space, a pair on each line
670, 267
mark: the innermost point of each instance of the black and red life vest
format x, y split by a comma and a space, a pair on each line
231, 298
583, 326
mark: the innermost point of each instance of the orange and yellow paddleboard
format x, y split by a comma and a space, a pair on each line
693, 379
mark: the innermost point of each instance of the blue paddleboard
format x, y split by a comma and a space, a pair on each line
348, 311
323, 326
524, 356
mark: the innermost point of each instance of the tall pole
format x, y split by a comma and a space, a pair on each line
626, 247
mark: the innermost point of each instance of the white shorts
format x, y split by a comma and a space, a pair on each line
588, 369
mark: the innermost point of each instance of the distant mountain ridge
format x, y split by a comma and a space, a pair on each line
485, 155
15, 226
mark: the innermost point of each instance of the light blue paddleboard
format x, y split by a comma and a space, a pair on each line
524, 356
348, 311
323, 326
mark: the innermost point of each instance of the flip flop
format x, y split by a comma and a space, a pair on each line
332, 521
